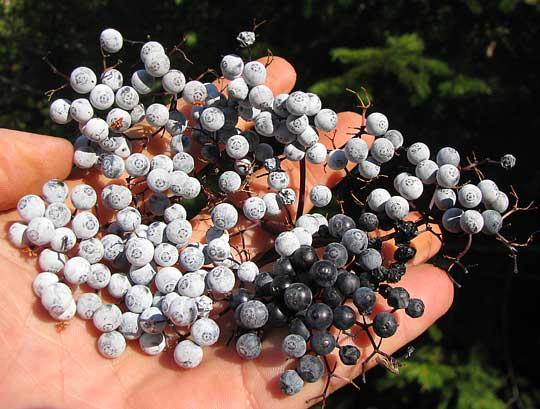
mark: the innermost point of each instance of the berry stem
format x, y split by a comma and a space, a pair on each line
300, 209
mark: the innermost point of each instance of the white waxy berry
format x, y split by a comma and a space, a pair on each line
162, 162
149, 48
448, 176
218, 250
238, 90
469, 196
382, 150
139, 251
308, 222
158, 180
489, 190
179, 232
83, 197
337, 160
43, 280
229, 181
137, 165
175, 211
237, 146
85, 225
396, 208
266, 124
118, 285
426, 171
398, 179
128, 219
445, 198
17, 236
297, 103
232, 66
261, 97
247, 271
142, 82
112, 166
157, 115
212, 119
101, 97
500, 204
294, 152
142, 275
59, 111
30, 206
205, 332
314, 104
173, 81
111, 344
377, 199
326, 120
191, 285
85, 157
76, 270
418, 152
152, 320
127, 98
369, 168
129, 327
304, 237
111, 40
51, 261
356, 150
411, 188
286, 243
166, 279
165, 255
493, 222
40, 231
87, 304
355, 240
448, 156
376, 124
81, 110
320, 196
451, 220
138, 298
99, 276
273, 205
395, 137
224, 216
56, 298
96, 130
118, 120
91, 250
254, 73
63, 240
316, 154
68, 314
157, 64
296, 124
254, 208
182, 311
279, 106
194, 92
471, 222
192, 188
116, 197
187, 354
82, 80
113, 78
152, 344
278, 180
215, 233
220, 279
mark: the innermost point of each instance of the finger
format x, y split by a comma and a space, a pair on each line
258, 240
27, 161
425, 281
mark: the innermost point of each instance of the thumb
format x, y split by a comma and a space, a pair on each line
27, 161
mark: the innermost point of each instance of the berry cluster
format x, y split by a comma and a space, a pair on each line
327, 271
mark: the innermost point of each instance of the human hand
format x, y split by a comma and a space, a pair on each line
44, 367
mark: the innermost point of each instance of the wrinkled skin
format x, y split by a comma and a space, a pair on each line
43, 367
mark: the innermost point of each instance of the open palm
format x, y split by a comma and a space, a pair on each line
43, 367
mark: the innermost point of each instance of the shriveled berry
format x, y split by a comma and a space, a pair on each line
349, 354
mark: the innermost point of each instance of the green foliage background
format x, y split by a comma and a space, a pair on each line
461, 72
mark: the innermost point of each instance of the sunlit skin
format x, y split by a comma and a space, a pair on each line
44, 367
